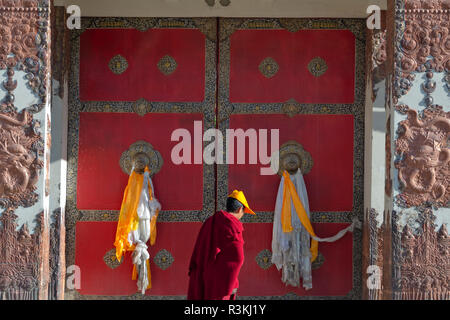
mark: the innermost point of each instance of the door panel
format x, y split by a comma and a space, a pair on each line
179, 53
332, 278
137, 79
169, 277
330, 181
291, 53
304, 77
101, 185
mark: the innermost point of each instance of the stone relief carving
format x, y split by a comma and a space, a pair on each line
379, 56
24, 27
422, 148
23, 43
424, 262
56, 274
19, 162
425, 39
375, 250
19, 270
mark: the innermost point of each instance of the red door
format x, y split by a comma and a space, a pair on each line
142, 78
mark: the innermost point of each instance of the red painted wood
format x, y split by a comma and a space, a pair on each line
142, 79
292, 52
102, 139
334, 278
94, 239
329, 140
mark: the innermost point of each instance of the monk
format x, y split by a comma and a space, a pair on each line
219, 253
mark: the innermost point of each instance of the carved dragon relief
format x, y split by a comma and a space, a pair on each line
23, 45
19, 163
424, 157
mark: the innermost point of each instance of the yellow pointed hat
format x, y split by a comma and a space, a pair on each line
239, 196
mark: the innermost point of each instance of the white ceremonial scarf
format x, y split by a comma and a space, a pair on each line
290, 251
146, 210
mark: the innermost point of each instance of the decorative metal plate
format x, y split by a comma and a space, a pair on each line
264, 259
268, 67
163, 259
318, 262
293, 147
291, 108
111, 259
167, 65
317, 66
142, 107
126, 160
118, 64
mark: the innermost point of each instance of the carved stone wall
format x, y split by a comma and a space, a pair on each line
24, 142
423, 261
425, 157
420, 155
20, 258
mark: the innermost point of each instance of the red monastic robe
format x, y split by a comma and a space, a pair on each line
217, 258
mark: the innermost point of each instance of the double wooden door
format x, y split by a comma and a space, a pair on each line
138, 79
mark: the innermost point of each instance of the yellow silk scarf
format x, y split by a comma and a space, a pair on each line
290, 193
129, 220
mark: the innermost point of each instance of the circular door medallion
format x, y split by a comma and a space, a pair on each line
118, 64
141, 147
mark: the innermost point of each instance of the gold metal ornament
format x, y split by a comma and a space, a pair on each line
293, 147
317, 66
155, 160
142, 107
167, 65
268, 67
291, 108
110, 259
118, 64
